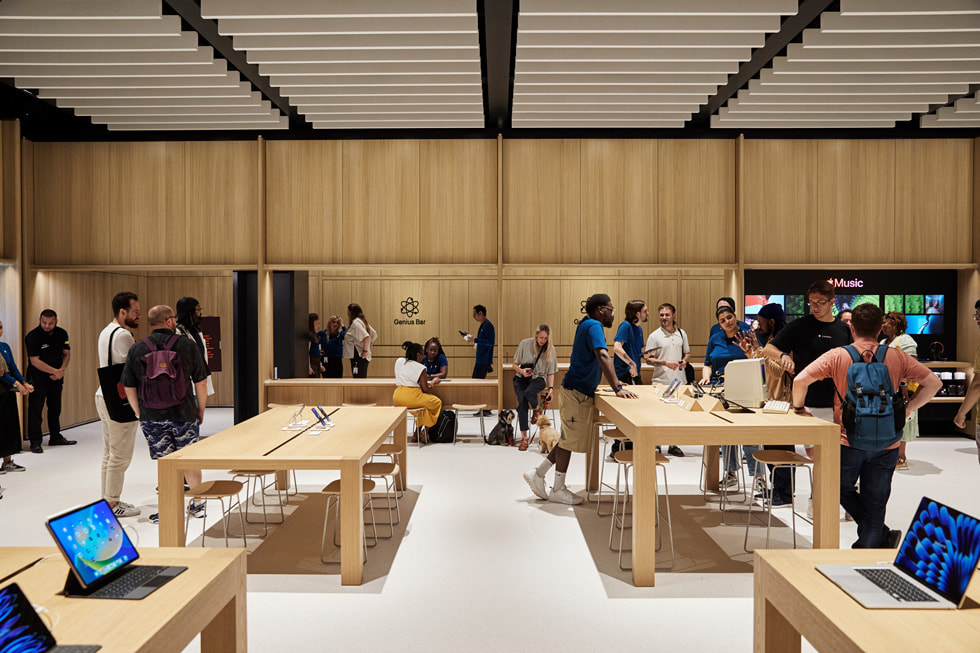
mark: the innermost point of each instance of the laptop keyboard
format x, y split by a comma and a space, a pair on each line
895, 585
122, 586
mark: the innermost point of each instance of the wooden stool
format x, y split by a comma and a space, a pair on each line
616, 436
219, 490
389, 472
624, 460
333, 498
599, 424
253, 480
777, 458
416, 415
460, 409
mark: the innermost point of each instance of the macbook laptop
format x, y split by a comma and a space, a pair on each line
21, 628
101, 556
933, 568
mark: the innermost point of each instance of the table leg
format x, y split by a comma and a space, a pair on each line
644, 511
711, 456
282, 480
592, 463
401, 439
826, 491
351, 524
227, 632
773, 632
170, 495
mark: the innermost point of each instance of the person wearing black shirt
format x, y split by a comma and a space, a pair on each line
48, 351
798, 344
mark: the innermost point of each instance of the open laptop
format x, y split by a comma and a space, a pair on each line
933, 567
101, 555
21, 627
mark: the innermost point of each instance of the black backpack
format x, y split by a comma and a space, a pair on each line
444, 427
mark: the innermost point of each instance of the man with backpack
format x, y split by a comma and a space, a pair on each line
156, 381
869, 408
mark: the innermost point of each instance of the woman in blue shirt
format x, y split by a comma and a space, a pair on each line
723, 347
435, 361
332, 348
11, 382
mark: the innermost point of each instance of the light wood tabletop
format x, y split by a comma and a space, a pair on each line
260, 443
649, 422
208, 598
792, 599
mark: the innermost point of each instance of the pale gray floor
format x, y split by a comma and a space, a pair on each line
484, 567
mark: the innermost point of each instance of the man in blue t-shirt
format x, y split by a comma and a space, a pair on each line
628, 344
590, 360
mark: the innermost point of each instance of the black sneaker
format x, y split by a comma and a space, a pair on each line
674, 450
155, 518
11, 467
893, 539
60, 442
36, 448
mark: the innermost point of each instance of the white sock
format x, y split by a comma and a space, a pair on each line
544, 467
559, 481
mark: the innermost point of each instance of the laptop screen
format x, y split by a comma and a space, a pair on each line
93, 541
21, 629
941, 549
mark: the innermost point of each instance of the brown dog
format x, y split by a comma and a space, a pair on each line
547, 435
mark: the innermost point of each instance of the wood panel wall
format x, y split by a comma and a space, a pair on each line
857, 201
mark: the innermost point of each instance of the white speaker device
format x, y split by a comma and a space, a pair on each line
745, 382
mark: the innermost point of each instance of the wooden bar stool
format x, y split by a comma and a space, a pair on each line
607, 435
388, 471
624, 460
255, 480
599, 424
415, 414
777, 458
460, 409
333, 499
217, 490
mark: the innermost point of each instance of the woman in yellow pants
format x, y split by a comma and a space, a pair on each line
412, 386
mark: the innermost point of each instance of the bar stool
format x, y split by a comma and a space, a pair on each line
255, 480
415, 414
460, 409
388, 471
624, 460
217, 490
723, 492
777, 458
599, 424
606, 435
333, 498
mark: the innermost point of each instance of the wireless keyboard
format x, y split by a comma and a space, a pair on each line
773, 406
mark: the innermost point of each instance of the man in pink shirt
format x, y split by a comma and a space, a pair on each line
874, 469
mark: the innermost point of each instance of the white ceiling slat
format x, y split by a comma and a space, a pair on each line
199, 57
908, 7
161, 112
835, 98
609, 98
123, 103
799, 67
175, 43
119, 120
448, 80
937, 53
175, 81
320, 9
714, 68
241, 89
658, 24
351, 58
818, 39
282, 123
827, 107
88, 10
835, 115
638, 54
833, 22
933, 121
604, 123
757, 87
473, 123
611, 107
12, 26
423, 108
967, 105
857, 78
717, 121
678, 40
394, 90
353, 42
346, 26
612, 77
660, 7
594, 87
215, 70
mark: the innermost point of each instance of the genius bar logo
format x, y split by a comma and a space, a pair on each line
846, 283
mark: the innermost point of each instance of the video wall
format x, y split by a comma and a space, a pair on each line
927, 299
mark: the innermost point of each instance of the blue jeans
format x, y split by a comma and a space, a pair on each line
874, 469
730, 458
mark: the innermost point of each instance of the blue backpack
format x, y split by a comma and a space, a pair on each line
873, 414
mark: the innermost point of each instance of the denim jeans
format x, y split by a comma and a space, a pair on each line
527, 390
874, 469
730, 458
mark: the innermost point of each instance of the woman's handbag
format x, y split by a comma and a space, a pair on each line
112, 390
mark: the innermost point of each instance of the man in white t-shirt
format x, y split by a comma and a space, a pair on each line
118, 437
667, 351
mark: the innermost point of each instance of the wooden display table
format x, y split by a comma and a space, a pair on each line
260, 444
649, 422
208, 598
375, 391
792, 599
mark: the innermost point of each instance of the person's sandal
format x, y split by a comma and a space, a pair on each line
902, 464
523, 445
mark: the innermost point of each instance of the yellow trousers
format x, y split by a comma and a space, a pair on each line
415, 398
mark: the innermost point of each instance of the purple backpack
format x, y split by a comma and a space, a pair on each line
165, 385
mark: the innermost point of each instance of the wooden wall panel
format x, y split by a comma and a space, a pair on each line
222, 202
304, 202
934, 195
458, 201
696, 203
381, 201
541, 217
779, 223
698, 298
71, 199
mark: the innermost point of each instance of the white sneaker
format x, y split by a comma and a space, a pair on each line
730, 480
565, 496
809, 508
537, 484
195, 510
124, 509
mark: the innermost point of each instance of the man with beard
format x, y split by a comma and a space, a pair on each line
589, 361
117, 437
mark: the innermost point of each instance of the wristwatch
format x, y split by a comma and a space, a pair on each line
799, 409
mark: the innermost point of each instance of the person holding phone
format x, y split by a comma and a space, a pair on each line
535, 364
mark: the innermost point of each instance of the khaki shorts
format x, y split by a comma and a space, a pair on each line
576, 420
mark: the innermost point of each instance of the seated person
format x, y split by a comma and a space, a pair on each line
535, 364
723, 347
332, 348
435, 361
412, 387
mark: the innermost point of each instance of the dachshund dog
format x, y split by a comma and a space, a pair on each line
503, 431
547, 435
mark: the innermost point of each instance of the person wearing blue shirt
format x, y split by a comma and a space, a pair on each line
484, 340
727, 301
332, 348
435, 361
313, 346
589, 361
11, 383
628, 349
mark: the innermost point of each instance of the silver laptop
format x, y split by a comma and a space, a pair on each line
933, 568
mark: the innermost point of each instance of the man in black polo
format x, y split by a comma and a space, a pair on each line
48, 352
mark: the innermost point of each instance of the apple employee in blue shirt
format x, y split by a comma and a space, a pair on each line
589, 361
